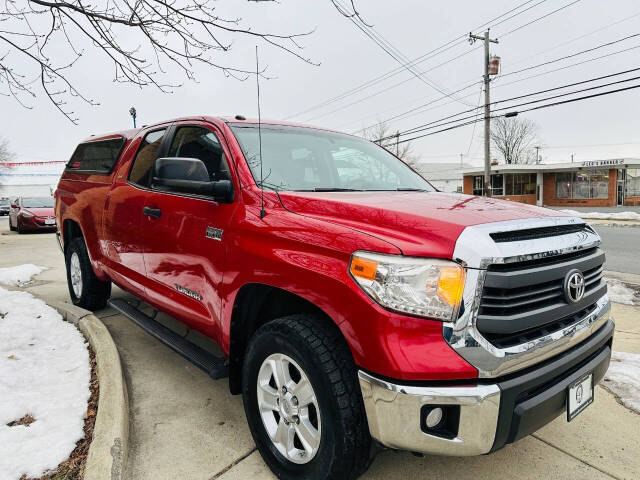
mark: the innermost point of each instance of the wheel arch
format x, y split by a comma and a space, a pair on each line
257, 304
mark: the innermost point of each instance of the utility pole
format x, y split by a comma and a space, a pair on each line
487, 109
397, 145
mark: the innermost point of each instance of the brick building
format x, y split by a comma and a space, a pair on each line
593, 183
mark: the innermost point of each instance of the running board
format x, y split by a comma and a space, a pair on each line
216, 367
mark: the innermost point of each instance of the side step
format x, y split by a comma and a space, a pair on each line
216, 367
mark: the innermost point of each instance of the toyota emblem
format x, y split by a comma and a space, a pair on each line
574, 286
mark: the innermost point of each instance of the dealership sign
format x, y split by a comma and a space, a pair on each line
603, 163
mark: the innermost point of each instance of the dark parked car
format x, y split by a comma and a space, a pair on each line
32, 214
4, 206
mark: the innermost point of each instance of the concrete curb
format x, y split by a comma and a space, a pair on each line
108, 450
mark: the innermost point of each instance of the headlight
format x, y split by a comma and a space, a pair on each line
25, 213
420, 286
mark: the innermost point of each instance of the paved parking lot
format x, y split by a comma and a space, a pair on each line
185, 425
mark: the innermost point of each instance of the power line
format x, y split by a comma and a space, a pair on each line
426, 56
392, 51
580, 37
586, 97
406, 114
437, 123
518, 61
538, 19
597, 47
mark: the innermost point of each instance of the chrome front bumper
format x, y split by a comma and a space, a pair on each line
393, 413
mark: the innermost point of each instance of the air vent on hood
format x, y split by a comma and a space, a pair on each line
540, 232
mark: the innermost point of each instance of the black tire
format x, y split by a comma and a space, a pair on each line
321, 351
94, 292
19, 224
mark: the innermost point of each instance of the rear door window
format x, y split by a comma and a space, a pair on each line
96, 157
147, 154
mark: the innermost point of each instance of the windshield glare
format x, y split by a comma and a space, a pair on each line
37, 202
307, 159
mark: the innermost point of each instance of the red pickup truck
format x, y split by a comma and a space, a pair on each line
355, 305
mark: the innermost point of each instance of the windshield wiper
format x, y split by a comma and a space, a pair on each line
410, 189
331, 189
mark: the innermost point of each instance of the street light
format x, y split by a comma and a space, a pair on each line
132, 112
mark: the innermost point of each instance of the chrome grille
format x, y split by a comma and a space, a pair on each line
527, 297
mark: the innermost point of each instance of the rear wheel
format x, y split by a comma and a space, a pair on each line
19, 224
86, 290
303, 401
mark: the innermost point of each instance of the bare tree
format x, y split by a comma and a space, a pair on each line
382, 134
42, 40
515, 139
6, 155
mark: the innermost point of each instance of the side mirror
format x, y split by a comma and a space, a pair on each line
189, 175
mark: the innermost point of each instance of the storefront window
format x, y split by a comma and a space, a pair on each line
507, 184
632, 185
584, 184
520, 184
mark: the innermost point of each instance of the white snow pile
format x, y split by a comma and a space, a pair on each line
618, 292
604, 215
623, 379
19, 275
44, 373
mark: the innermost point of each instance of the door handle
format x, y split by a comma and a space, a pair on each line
152, 212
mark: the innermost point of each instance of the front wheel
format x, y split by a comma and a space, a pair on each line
302, 400
86, 290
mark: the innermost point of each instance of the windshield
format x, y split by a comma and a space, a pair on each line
4, 202
307, 159
37, 202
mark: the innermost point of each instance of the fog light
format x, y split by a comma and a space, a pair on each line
440, 420
434, 417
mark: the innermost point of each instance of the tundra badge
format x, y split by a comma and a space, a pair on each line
214, 233
187, 292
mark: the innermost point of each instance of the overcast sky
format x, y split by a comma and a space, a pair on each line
348, 58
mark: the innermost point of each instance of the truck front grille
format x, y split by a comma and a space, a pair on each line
525, 300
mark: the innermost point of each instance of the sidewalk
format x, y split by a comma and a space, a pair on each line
623, 216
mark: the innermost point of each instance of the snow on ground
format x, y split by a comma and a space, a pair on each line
45, 373
623, 379
19, 275
604, 215
618, 292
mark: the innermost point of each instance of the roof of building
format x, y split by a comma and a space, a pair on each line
554, 167
441, 171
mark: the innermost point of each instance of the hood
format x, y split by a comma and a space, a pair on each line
418, 223
41, 212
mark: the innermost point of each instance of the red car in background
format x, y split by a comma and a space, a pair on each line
32, 214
